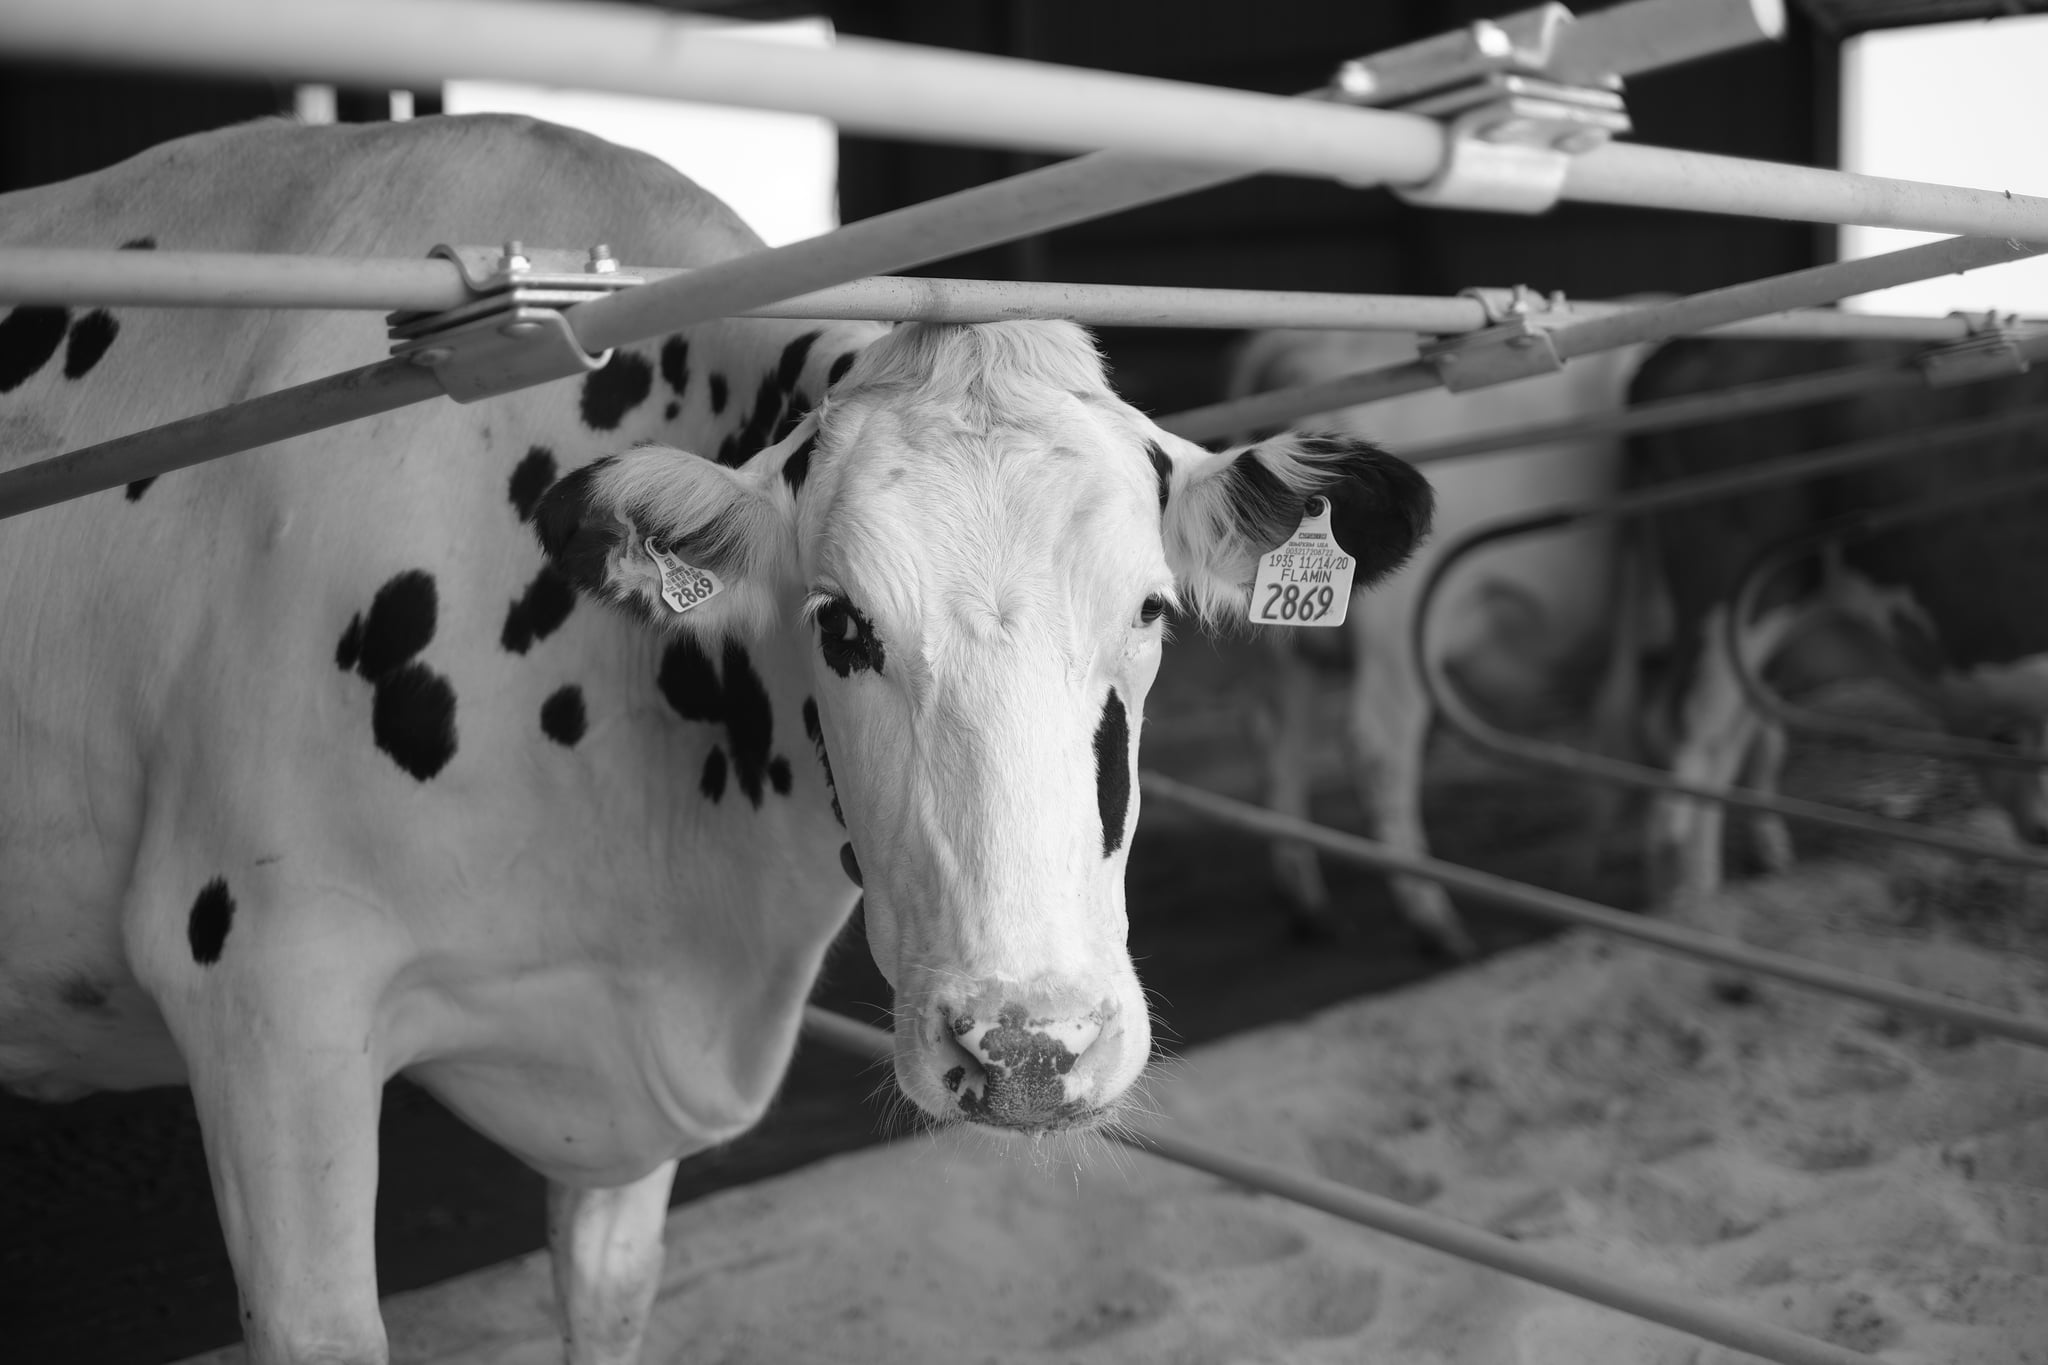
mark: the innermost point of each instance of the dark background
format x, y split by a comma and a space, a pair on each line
108, 1247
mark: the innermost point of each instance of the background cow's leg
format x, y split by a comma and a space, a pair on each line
1716, 731
607, 1251
1389, 737
1286, 739
1765, 768
288, 1090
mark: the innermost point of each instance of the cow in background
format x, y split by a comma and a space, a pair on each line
1944, 612
1512, 624
319, 769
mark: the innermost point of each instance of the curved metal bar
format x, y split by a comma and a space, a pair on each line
1803, 719
1550, 754
1741, 1331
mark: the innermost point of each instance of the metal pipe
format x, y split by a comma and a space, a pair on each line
1739, 1331
896, 90
1703, 312
1772, 562
325, 402
1549, 754
1700, 409
226, 279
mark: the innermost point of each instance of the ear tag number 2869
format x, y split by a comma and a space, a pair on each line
1307, 580
685, 587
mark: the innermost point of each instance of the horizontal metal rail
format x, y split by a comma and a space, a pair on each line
1860, 525
1694, 409
1696, 313
896, 90
1562, 909
1550, 754
385, 284
1651, 1303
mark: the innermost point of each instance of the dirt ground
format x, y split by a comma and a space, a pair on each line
109, 1249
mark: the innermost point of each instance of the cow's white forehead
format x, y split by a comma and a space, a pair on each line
983, 469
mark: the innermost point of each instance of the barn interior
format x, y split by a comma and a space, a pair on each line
109, 1245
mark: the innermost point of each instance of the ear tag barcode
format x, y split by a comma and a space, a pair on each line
1307, 580
685, 587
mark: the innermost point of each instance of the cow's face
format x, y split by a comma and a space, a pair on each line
978, 543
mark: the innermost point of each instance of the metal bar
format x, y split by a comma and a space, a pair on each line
1626, 40
1772, 562
1700, 409
896, 90
1651, 1303
1600, 768
1584, 914
325, 402
1655, 322
224, 279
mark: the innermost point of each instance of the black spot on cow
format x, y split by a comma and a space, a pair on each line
1113, 772
349, 649
90, 337
1380, 506
729, 694
412, 712
139, 487
712, 784
206, 928
615, 390
532, 477
839, 369
29, 336
779, 775
790, 367
85, 995
757, 432
675, 364
539, 611
1162, 466
953, 1078
719, 394
672, 411
815, 728
412, 717
561, 715
139, 244
401, 623
797, 467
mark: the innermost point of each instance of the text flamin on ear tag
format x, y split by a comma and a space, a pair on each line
1306, 581
685, 587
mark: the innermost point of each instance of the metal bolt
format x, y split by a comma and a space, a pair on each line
1491, 40
1356, 81
524, 328
602, 262
514, 257
432, 356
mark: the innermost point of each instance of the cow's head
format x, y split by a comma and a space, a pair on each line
979, 544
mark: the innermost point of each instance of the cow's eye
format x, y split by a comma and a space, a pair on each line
846, 639
1154, 608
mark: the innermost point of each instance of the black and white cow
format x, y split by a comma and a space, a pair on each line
319, 769
1945, 612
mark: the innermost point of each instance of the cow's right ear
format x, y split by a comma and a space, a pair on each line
614, 526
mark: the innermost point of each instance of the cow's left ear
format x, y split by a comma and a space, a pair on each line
1224, 512
626, 528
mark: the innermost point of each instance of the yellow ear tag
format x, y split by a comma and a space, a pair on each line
685, 587
1307, 580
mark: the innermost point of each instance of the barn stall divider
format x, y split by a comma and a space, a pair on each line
498, 324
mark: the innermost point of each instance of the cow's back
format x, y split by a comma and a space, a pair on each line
337, 667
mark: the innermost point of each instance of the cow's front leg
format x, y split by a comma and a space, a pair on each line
1287, 738
607, 1250
288, 1087
1389, 739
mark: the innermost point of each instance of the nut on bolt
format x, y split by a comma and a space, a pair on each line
602, 262
514, 257
431, 356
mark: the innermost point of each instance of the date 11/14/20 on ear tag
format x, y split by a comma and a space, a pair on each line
685, 587
1306, 581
